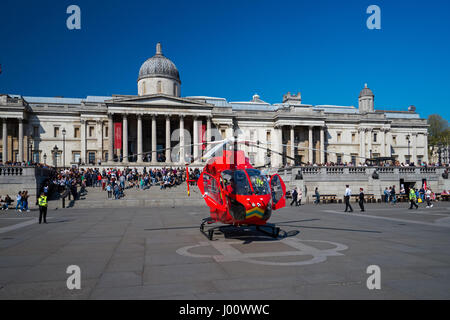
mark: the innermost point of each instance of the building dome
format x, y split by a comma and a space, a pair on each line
159, 66
158, 75
366, 92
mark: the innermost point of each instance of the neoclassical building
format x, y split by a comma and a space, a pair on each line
155, 126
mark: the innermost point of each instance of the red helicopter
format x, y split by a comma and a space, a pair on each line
237, 193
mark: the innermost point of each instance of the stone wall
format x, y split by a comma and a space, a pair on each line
15, 179
332, 180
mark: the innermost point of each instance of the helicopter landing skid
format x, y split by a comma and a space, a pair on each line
275, 231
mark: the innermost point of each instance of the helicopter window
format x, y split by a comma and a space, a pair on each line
241, 185
277, 190
259, 182
211, 188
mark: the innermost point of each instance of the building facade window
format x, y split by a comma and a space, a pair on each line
56, 132
91, 132
76, 132
76, 157
35, 131
91, 157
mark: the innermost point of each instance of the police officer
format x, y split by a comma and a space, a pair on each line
42, 201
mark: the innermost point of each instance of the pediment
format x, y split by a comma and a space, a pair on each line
156, 100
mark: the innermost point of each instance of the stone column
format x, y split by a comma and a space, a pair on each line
139, 138
125, 138
182, 155
154, 140
414, 148
83, 140
208, 133
322, 145
20, 155
292, 153
388, 143
369, 151
310, 145
168, 146
5, 140
196, 138
110, 138
99, 129
277, 139
383, 142
425, 156
362, 145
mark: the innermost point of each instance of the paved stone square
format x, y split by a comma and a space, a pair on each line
159, 253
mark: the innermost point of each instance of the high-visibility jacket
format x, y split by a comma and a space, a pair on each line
42, 201
412, 195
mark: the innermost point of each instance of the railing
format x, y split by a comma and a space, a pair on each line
335, 170
386, 170
357, 170
406, 170
310, 170
11, 171
428, 170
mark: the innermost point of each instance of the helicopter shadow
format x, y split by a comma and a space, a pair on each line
249, 234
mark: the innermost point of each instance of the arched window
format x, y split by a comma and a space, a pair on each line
159, 87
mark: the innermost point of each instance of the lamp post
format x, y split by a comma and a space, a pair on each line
440, 153
409, 156
45, 158
55, 155
64, 146
30, 149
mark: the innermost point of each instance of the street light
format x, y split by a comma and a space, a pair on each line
45, 158
64, 146
439, 153
409, 157
55, 155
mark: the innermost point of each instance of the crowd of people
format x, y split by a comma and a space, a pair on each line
368, 164
115, 181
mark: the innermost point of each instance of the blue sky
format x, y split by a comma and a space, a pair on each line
234, 49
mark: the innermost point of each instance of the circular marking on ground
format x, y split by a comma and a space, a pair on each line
228, 253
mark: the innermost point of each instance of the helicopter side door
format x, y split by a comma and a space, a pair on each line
278, 190
211, 191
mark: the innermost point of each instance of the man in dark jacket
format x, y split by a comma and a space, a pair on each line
294, 197
361, 199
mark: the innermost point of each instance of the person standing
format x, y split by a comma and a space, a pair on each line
19, 201
393, 195
361, 199
317, 195
412, 199
428, 198
42, 201
347, 195
294, 197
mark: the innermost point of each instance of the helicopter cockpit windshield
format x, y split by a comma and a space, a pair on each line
238, 183
259, 182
